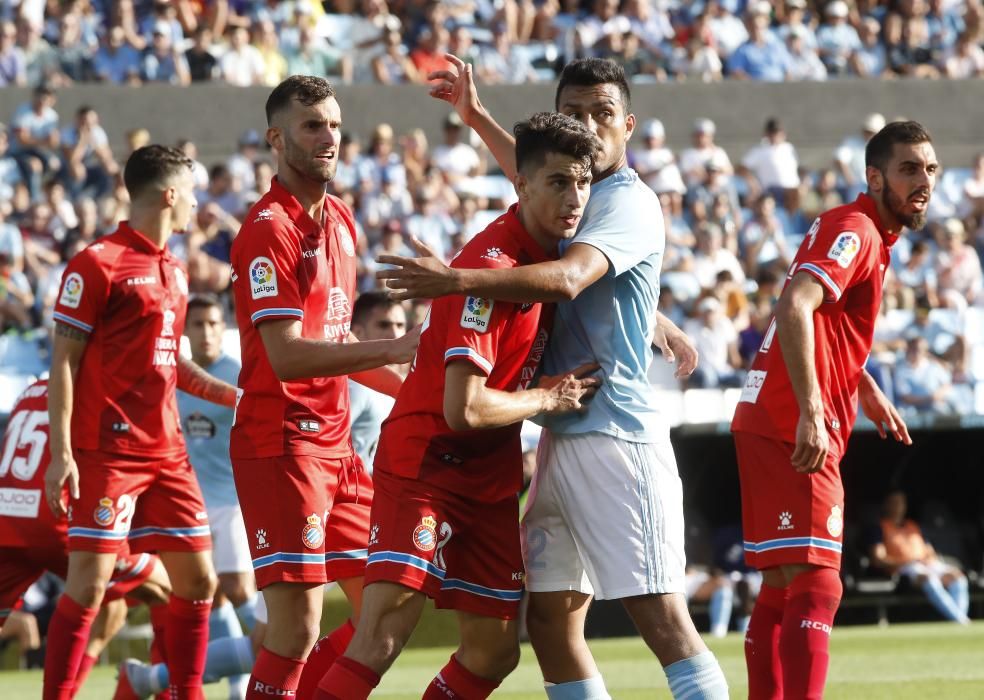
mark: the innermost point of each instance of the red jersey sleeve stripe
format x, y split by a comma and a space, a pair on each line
824, 278
72, 321
276, 313
468, 354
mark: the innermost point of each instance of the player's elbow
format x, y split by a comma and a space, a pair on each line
460, 417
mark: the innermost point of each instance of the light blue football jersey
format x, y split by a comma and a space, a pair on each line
206, 427
612, 321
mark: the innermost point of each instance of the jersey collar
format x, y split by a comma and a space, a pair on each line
867, 205
292, 207
140, 242
527, 244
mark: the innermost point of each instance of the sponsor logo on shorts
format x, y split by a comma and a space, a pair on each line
425, 534
261, 539
104, 514
477, 313
835, 522
785, 520
313, 535
71, 295
374, 535
845, 248
815, 625
345, 238
201, 515
262, 278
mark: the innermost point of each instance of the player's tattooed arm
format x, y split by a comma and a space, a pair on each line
71, 332
193, 380
66, 356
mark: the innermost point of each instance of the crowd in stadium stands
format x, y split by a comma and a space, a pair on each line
259, 42
733, 223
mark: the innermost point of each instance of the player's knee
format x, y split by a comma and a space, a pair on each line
90, 593
235, 590
496, 662
200, 585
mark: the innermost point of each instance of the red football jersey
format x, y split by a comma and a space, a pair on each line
847, 250
130, 297
505, 341
25, 518
287, 266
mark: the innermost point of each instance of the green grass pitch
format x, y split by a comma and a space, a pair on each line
901, 662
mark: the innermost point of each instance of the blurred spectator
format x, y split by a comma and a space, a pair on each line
763, 56
162, 62
242, 163
89, 162
34, 126
13, 68
913, 55
198, 170
429, 54
820, 195
750, 339
223, 191
729, 31
203, 66
922, 384
837, 40
773, 162
965, 59
795, 21
973, 189
958, 268
347, 168
717, 344
917, 277
312, 56
74, 57
602, 21
504, 61
762, 238
655, 162
711, 257
698, 59
454, 157
267, 45
10, 174
694, 160
116, 61
21, 627
380, 157
16, 297
870, 58
242, 64
849, 156
393, 66
804, 63
40, 58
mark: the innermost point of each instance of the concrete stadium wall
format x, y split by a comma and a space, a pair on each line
817, 115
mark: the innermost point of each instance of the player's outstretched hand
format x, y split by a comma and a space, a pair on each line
880, 411
61, 471
812, 444
424, 277
676, 346
406, 346
571, 392
457, 88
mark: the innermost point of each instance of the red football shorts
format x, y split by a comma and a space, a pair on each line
307, 519
788, 517
464, 554
153, 502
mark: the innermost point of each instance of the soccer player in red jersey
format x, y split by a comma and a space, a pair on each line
448, 469
115, 433
799, 405
304, 494
33, 540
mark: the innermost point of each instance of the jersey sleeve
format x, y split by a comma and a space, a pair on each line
475, 329
84, 292
266, 262
837, 254
626, 229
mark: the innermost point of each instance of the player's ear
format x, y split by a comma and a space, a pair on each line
274, 137
522, 187
630, 124
876, 181
170, 195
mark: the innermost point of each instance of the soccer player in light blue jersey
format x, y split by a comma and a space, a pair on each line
605, 517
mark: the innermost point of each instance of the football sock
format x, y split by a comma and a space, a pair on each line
805, 640
186, 641
227, 657
68, 633
958, 591
697, 678
322, 656
719, 609
347, 679
223, 622
84, 667
273, 675
158, 622
247, 611
588, 689
941, 600
741, 623
762, 645
455, 682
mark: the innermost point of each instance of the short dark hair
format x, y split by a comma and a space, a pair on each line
551, 132
151, 166
203, 300
879, 150
369, 302
587, 72
308, 89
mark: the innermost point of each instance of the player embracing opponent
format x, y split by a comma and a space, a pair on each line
115, 433
304, 494
605, 514
33, 540
799, 405
449, 467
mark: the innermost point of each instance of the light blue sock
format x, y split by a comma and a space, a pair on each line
247, 612
722, 601
741, 624
228, 656
961, 596
588, 689
697, 678
941, 600
222, 622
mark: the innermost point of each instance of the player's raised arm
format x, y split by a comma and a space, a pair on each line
193, 380
66, 355
794, 326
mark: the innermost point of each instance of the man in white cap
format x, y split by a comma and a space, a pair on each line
849, 156
837, 39
694, 160
655, 162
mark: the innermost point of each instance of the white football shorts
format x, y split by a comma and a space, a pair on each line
230, 548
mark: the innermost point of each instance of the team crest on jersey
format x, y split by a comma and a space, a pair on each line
180, 281
262, 278
313, 534
425, 534
71, 295
835, 522
104, 513
167, 330
477, 313
845, 248
345, 238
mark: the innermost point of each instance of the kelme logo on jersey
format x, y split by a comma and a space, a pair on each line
477, 313
262, 278
104, 512
313, 535
71, 294
425, 534
845, 248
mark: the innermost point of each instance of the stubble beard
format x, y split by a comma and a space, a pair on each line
896, 206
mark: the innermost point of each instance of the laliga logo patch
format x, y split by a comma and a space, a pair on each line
262, 278
835, 522
104, 513
845, 248
425, 534
345, 238
71, 294
477, 313
313, 535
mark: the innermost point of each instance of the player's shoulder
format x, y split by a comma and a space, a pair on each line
623, 193
494, 247
265, 221
104, 252
339, 205
850, 217
34, 397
